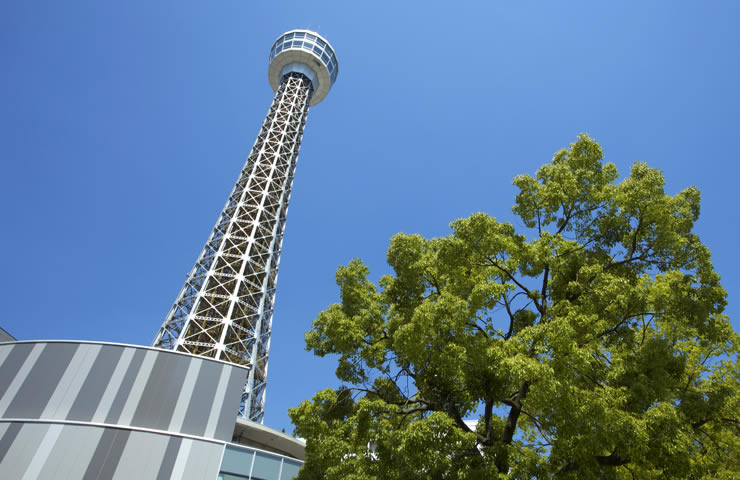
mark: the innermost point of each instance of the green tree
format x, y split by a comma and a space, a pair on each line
597, 348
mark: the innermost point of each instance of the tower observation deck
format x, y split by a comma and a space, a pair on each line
224, 310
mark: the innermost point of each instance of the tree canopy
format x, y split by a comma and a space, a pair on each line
590, 342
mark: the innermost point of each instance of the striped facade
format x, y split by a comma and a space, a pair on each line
93, 410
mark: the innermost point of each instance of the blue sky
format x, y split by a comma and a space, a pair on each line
123, 126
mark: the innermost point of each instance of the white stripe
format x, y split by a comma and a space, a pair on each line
113, 385
69, 386
142, 457
20, 377
72, 453
186, 393
43, 452
137, 389
178, 469
218, 401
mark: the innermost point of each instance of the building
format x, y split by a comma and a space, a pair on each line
94, 410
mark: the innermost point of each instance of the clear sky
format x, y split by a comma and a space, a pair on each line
123, 126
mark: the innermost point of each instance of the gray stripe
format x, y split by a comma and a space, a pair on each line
225, 427
71, 382
161, 392
42, 453
114, 455
19, 377
4, 352
125, 388
42, 380
178, 416
8, 438
72, 453
107, 454
113, 385
100, 454
137, 389
169, 457
95, 382
218, 401
200, 403
12, 364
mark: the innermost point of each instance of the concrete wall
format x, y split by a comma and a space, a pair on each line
68, 451
92, 410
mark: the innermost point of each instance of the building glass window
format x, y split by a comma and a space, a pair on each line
230, 476
266, 467
290, 470
309, 43
238, 463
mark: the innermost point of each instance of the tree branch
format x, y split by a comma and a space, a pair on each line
433, 282
634, 237
568, 467
538, 426
612, 460
629, 259
511, 318
700, 423
464, 426
565, 221
544, 289
502, 460
493, 263
480, 329
487, 414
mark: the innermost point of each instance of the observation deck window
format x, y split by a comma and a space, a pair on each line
309, 43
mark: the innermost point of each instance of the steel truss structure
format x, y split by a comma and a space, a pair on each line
224, 311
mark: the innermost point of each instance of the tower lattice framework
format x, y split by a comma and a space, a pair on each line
224, 310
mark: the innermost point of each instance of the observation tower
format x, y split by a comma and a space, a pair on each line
224, 310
